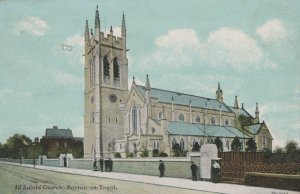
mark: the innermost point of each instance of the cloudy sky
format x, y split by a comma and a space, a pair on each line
251, 47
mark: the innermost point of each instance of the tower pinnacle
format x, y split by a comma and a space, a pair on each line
87, 33
123, 30
97, 19
236, 103
147, 84
219, 93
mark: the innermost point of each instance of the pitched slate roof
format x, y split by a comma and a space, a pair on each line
165, 96
242, 111
192, 129
253, 129
58, 133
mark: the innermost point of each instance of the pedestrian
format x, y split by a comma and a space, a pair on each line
95, 165
110, 162
106, 164
161, 168
101, 164
215, 172
194, 171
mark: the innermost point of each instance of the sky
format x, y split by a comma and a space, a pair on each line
250, 47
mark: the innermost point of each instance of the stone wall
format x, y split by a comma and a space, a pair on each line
278, 181
174, 167
24, 161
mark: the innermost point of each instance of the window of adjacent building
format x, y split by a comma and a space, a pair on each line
264, 140
116, 119
181, 117
201, 142
213, 121
182, 144
160, 115
197, 119
226, 122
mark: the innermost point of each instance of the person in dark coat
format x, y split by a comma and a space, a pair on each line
194, 171
95, 165
215, 172
106, 164
110, 164
101, 164
161, 168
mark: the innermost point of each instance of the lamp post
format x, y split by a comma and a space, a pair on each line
66, 160
20, 156
34, 144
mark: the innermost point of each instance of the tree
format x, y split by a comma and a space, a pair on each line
177, 151
244, 120
196, 147
251, 145
219, 144
292, 151
18, 146
236, 144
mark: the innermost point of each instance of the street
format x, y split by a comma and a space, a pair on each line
18, 179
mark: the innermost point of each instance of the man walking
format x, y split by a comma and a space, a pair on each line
106, 164
95, 165
194, 171
161, 168
101, 164
110, 164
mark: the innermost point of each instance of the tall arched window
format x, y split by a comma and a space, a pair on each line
213, 121
106, 69
174, 142
197, 119
116, 72
182, 144
93, 71
181, 117
134, 120
227, 144
116, 68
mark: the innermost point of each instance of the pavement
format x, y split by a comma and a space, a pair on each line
165, 181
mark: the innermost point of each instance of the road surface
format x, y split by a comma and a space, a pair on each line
19, 179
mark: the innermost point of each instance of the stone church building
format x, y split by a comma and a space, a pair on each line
144, 118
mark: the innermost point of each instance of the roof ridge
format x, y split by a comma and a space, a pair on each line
181, 93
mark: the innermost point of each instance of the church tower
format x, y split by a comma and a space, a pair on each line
106, 87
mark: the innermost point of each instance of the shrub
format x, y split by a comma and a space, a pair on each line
163, 154
155, 153
117, 155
